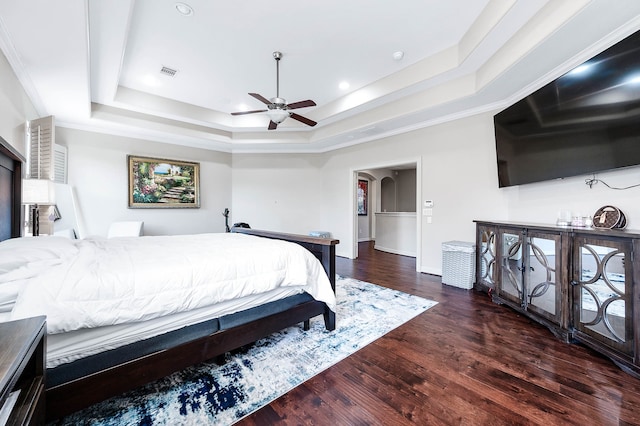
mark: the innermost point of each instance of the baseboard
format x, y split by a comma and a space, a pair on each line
394, 251
431, 271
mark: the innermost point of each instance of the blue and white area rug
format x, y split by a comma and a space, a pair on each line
222, 395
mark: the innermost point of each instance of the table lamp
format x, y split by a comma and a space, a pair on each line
35, 192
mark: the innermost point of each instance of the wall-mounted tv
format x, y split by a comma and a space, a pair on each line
586, 121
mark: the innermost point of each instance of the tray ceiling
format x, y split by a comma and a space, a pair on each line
142, 69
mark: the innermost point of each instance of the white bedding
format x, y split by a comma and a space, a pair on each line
98, 282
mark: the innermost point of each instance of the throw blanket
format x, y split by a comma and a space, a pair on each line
96, 282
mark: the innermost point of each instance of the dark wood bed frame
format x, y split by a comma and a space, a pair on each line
74, 395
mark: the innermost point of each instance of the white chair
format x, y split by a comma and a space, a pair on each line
125, 229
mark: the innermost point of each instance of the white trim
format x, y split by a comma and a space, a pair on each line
431, 271
168, 138
353, 213
87, 20
418, 210
394, 251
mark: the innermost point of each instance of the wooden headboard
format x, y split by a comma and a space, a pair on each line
10, 191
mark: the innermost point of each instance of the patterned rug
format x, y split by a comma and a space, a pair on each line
222, 395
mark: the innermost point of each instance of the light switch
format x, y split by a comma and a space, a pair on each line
428, 203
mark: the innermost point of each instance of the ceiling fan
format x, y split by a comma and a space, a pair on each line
277, 108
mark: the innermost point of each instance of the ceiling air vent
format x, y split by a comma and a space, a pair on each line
168, 71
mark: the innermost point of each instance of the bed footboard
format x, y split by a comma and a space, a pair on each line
322, 248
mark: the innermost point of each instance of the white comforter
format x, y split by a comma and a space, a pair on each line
95, 282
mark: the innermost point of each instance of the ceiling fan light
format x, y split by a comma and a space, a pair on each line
278, 115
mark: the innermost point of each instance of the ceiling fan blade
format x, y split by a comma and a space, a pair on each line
301, 104
272, 125
302, 119
248, 112
261, 98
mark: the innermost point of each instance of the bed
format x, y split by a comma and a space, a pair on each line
92, 356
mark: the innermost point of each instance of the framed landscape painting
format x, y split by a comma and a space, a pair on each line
162, 183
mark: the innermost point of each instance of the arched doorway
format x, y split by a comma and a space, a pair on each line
388, 194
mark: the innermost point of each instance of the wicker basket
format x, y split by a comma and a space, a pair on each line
459, 264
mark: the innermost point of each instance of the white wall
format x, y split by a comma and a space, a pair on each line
15, 107
98, 171
364, 226
458, 172
406, 190
540, 202
279, 192
396, 233
299, 193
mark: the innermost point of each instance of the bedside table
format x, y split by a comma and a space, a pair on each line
22, 370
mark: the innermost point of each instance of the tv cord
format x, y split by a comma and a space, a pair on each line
594, 180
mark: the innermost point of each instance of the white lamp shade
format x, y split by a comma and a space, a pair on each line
277, 115
38, 191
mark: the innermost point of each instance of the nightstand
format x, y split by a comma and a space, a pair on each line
22, 369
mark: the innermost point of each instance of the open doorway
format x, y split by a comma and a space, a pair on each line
366, 198
390, 216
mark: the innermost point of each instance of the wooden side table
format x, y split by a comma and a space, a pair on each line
22, 370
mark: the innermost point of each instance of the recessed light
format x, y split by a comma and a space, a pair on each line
184, 9
344, 85
398, 55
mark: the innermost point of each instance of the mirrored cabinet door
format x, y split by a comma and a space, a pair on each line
544, 275
486, 256
602, 293
511, 266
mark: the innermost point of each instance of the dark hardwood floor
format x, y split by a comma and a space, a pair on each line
465, 361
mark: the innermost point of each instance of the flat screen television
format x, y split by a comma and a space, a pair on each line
586, 121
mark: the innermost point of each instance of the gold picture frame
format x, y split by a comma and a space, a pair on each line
163, 183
